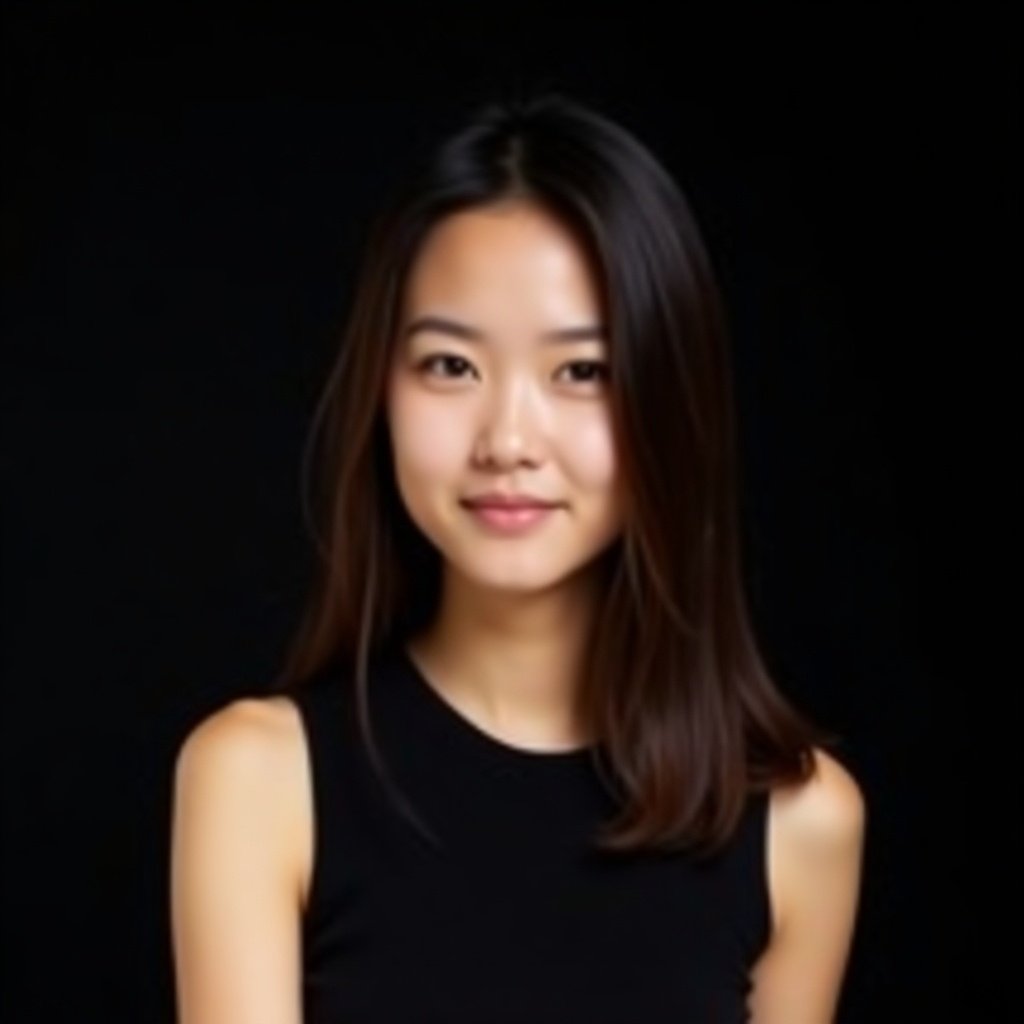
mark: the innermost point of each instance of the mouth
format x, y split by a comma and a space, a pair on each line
509, 518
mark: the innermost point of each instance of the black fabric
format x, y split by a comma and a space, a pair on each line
513, 920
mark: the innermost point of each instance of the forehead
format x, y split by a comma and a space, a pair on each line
510, 262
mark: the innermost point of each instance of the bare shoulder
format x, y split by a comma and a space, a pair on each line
253, 748
829, 808
258, 737
816, 832
238, 838
823, 817
247, 727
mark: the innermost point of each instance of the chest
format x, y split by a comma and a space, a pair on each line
436, 940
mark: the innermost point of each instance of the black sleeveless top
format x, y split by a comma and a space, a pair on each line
513, 919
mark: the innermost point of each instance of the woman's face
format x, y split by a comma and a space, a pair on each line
497, 405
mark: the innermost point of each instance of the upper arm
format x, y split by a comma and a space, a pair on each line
816, 849
235, 910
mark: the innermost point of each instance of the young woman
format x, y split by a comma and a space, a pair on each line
525, 763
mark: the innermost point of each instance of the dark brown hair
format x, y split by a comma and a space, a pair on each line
689, 719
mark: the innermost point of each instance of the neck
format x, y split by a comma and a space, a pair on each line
512, 661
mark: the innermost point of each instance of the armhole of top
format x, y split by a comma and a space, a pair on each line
768, 897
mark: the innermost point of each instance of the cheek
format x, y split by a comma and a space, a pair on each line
591, 455
428, 440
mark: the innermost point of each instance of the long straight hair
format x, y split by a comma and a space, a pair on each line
689, 719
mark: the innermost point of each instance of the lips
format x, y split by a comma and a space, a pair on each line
507, 505
509, 520
509, 501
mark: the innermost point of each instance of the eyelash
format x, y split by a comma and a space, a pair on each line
424, 364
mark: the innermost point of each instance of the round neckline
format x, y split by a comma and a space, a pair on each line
484, 743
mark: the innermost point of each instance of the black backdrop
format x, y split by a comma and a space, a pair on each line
185, 201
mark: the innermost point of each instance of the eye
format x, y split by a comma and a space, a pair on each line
444, 358
601, 368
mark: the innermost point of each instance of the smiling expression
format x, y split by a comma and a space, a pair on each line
499, 382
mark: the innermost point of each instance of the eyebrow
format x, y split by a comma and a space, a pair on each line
443, 325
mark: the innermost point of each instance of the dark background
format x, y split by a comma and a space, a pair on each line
186, 196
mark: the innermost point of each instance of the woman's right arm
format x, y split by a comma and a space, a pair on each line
235, 892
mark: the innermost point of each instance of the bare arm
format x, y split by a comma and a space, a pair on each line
235, 899
815, 855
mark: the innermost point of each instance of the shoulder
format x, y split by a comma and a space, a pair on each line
816, 833
827, 809
249, 728
245, 763
239, 829
250, 738
821, 820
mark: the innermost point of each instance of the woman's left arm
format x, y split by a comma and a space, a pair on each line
816, 842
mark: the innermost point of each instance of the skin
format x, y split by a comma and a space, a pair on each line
510, 412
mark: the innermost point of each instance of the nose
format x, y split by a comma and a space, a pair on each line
512, 428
